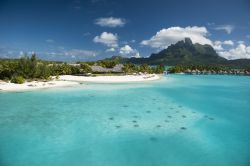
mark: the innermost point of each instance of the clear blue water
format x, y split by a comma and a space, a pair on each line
178, 121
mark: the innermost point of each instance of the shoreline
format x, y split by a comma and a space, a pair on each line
70, 80
34, 85
111, 79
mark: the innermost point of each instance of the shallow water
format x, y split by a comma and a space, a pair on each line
180, 120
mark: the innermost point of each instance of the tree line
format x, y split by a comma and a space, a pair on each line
31, 68
206, 68
144, 68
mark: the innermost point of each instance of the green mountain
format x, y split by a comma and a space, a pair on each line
186, 53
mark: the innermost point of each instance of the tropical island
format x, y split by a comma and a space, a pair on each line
183, 57
192, 58
32, 73
124, 83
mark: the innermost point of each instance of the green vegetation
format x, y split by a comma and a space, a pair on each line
63, 69
159, 69
31, 68
17, 80
85, 68
187, 53
107, 63
184, 52
26, 67
130, 68
207, 69
144, 68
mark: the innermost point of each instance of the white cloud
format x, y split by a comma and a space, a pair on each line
227, 28
59, 53
166, 37
240, 52
80, 52
110, 22
110, 50
228, 42
129, 51
248, 36
73, 53
108, 39
126, 50
70, 54
137, 55
218, 45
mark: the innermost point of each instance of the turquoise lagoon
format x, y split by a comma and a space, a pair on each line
180, 120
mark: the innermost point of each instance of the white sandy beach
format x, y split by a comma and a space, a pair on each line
68, 80
111, 79
4, 86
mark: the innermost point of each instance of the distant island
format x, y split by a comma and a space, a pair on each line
185, 52
182, 57
186, 57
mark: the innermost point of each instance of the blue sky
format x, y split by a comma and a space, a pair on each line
96, 29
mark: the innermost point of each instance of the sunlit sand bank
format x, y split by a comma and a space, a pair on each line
68, 80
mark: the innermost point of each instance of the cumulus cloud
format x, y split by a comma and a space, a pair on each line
218, 45
137, 55
240, 52
228, 42
110, 50
110, 22
227, 28
166, 37
129, 51
108, 39
126, 50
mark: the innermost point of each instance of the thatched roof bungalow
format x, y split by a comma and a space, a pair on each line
99, 69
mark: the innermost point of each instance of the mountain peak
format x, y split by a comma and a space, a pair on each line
185, 52
187, 40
